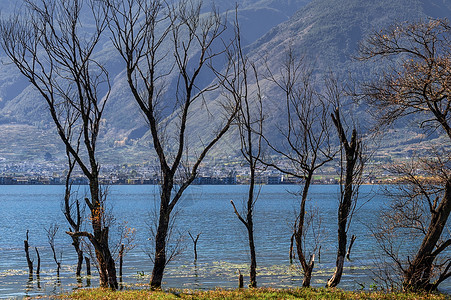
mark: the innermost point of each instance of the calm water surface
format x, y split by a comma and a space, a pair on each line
222, 247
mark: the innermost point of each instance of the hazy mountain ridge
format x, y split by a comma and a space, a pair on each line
21, 104
326, 32
332, 29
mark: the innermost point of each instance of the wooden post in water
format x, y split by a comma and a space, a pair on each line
240, 280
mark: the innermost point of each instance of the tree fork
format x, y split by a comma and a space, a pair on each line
195, 239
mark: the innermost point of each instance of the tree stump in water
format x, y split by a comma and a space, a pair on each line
88, 266
240, 280
27, 254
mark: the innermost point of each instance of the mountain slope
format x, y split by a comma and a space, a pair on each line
329, 31
325, 32
21, 104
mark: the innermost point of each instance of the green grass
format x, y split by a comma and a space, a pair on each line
260, 293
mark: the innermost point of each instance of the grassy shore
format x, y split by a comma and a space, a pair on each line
260, 293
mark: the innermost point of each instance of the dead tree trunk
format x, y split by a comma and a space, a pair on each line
51, 233
77, 246
121, 261
418, 274
243, 73
161, 237
141, 47
88, 266
72, 212
305, 144
306, 281
307, 267
249, 226
417, 87
352, 154
48, 51
38, 267
194, 244
240, 280
253, 266
99, 239
27, 254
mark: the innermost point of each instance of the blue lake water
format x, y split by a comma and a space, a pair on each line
222, 246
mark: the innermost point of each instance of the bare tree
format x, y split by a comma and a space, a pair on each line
305, 141
50, 48
351, 168
240, 76
417, 85
51, 233
408, 217
155, 40
124, 245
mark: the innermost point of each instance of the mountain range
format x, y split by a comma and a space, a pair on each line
326, 33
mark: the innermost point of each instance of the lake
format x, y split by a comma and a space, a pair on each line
222, 246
